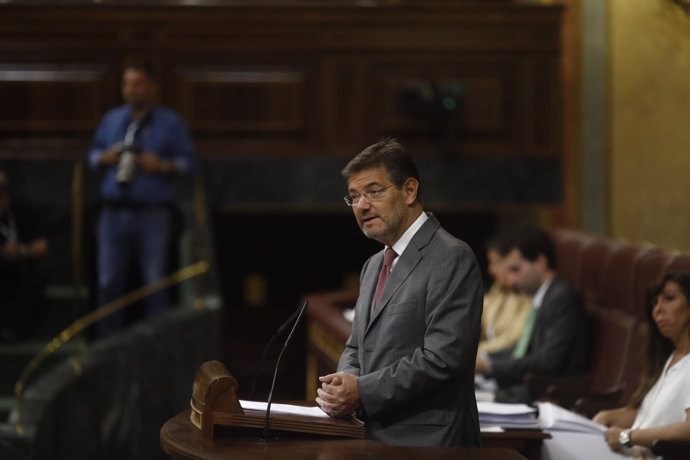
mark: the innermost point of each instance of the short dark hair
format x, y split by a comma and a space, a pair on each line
499, 243
532, 242
143, 66
390, 154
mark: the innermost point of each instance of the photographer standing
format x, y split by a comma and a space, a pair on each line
141, 149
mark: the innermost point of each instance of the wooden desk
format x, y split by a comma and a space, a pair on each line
527, 443
182, 441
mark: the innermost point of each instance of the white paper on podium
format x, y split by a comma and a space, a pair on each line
284, 408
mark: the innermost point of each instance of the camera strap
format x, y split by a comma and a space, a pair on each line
131, 132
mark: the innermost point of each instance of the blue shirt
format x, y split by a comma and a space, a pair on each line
163, 133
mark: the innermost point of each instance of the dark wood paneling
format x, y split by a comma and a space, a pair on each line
49, 98
249, 100
287, 78
492, 113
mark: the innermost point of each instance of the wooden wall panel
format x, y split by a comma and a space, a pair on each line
491, 112
49, 98
301, 78
244, 101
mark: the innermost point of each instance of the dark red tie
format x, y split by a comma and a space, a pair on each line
389, 256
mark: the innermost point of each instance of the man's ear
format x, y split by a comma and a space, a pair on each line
410, 189
543, 262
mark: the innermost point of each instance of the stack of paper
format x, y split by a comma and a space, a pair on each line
515, 416
314, 411
555, 418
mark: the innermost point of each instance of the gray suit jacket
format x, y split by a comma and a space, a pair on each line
415, 354
559, 344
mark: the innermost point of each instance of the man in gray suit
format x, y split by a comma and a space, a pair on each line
407, 368
555, 339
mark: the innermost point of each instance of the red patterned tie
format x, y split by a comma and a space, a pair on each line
389, 256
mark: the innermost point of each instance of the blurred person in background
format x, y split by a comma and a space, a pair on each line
660, 408
22, 279
505, 308
141, 148
555, 337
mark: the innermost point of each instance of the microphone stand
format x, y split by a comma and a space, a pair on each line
267, 423
280, 330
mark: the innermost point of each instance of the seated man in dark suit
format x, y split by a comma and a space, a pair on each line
555, 338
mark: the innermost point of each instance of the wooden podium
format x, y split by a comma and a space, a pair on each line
181, 440
217, 427
214, 402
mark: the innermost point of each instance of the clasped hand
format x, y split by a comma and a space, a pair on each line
338, 395
146, 161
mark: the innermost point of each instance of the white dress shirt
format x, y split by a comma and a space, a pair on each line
538, 298
668, 399
400, 245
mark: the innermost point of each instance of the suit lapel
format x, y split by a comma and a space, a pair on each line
366, 295
407, 262
543, 309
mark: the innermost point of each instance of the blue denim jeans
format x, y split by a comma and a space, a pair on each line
127, 237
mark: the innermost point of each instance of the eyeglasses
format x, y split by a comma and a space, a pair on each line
375, 194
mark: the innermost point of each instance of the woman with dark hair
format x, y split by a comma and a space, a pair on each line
660, 408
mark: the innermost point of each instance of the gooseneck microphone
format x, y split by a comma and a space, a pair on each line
279, 332
267, 424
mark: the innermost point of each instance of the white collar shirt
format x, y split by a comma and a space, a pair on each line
538, 298
669, 398
402, 243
